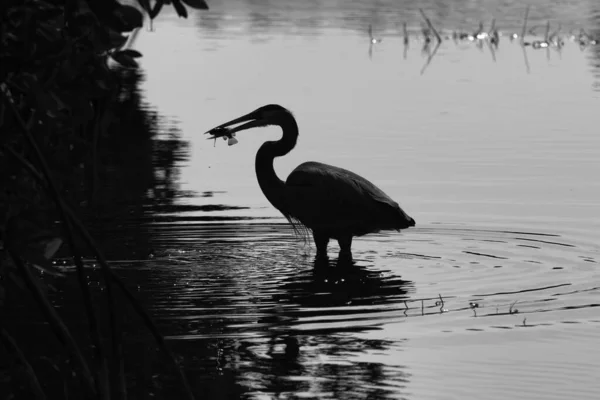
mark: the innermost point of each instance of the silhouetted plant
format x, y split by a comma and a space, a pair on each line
56, 92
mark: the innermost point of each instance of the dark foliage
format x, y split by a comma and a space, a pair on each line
64, 72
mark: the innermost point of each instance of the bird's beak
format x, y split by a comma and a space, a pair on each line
250, 119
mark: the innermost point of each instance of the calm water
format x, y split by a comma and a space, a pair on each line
494, 151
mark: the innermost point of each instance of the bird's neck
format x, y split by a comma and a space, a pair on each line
270, 184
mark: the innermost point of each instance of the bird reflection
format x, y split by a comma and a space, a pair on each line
294, 364
330, 284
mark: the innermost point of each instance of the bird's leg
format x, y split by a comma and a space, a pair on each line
345, 244
321, 241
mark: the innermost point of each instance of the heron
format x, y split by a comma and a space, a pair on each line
332, 202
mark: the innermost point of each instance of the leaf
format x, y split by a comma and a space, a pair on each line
52, 247
157, 7
116, 39
132, 53
145, 4
197, 4
124, 59
180, 8
130, 18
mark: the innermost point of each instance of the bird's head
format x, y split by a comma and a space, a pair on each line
271, 114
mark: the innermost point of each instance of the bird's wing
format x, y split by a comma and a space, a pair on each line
327, 195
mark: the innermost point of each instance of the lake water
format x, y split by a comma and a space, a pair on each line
494, 151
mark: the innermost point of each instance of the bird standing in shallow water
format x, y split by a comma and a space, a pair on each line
332, 202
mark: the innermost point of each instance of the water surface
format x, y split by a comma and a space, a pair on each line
494, 151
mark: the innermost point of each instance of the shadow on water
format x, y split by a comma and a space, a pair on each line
256, 317
335, 284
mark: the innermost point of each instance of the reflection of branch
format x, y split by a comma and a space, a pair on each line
525, 58
435, 32
405, 39
492, 51
524, 30
437, 46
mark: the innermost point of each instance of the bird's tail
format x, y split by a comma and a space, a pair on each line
404, 221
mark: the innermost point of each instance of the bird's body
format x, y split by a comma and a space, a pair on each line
339, 202
332, 202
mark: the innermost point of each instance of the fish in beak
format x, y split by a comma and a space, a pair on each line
228, 130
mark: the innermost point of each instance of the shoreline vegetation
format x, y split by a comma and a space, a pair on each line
66, 73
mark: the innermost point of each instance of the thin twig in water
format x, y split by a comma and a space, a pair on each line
441, 303
511, 310
435, 32
473, 306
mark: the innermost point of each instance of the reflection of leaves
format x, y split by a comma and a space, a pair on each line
132, 53
180, 8
116, 40
154, 11
197, 4
128, 18
124, 59
145, 4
